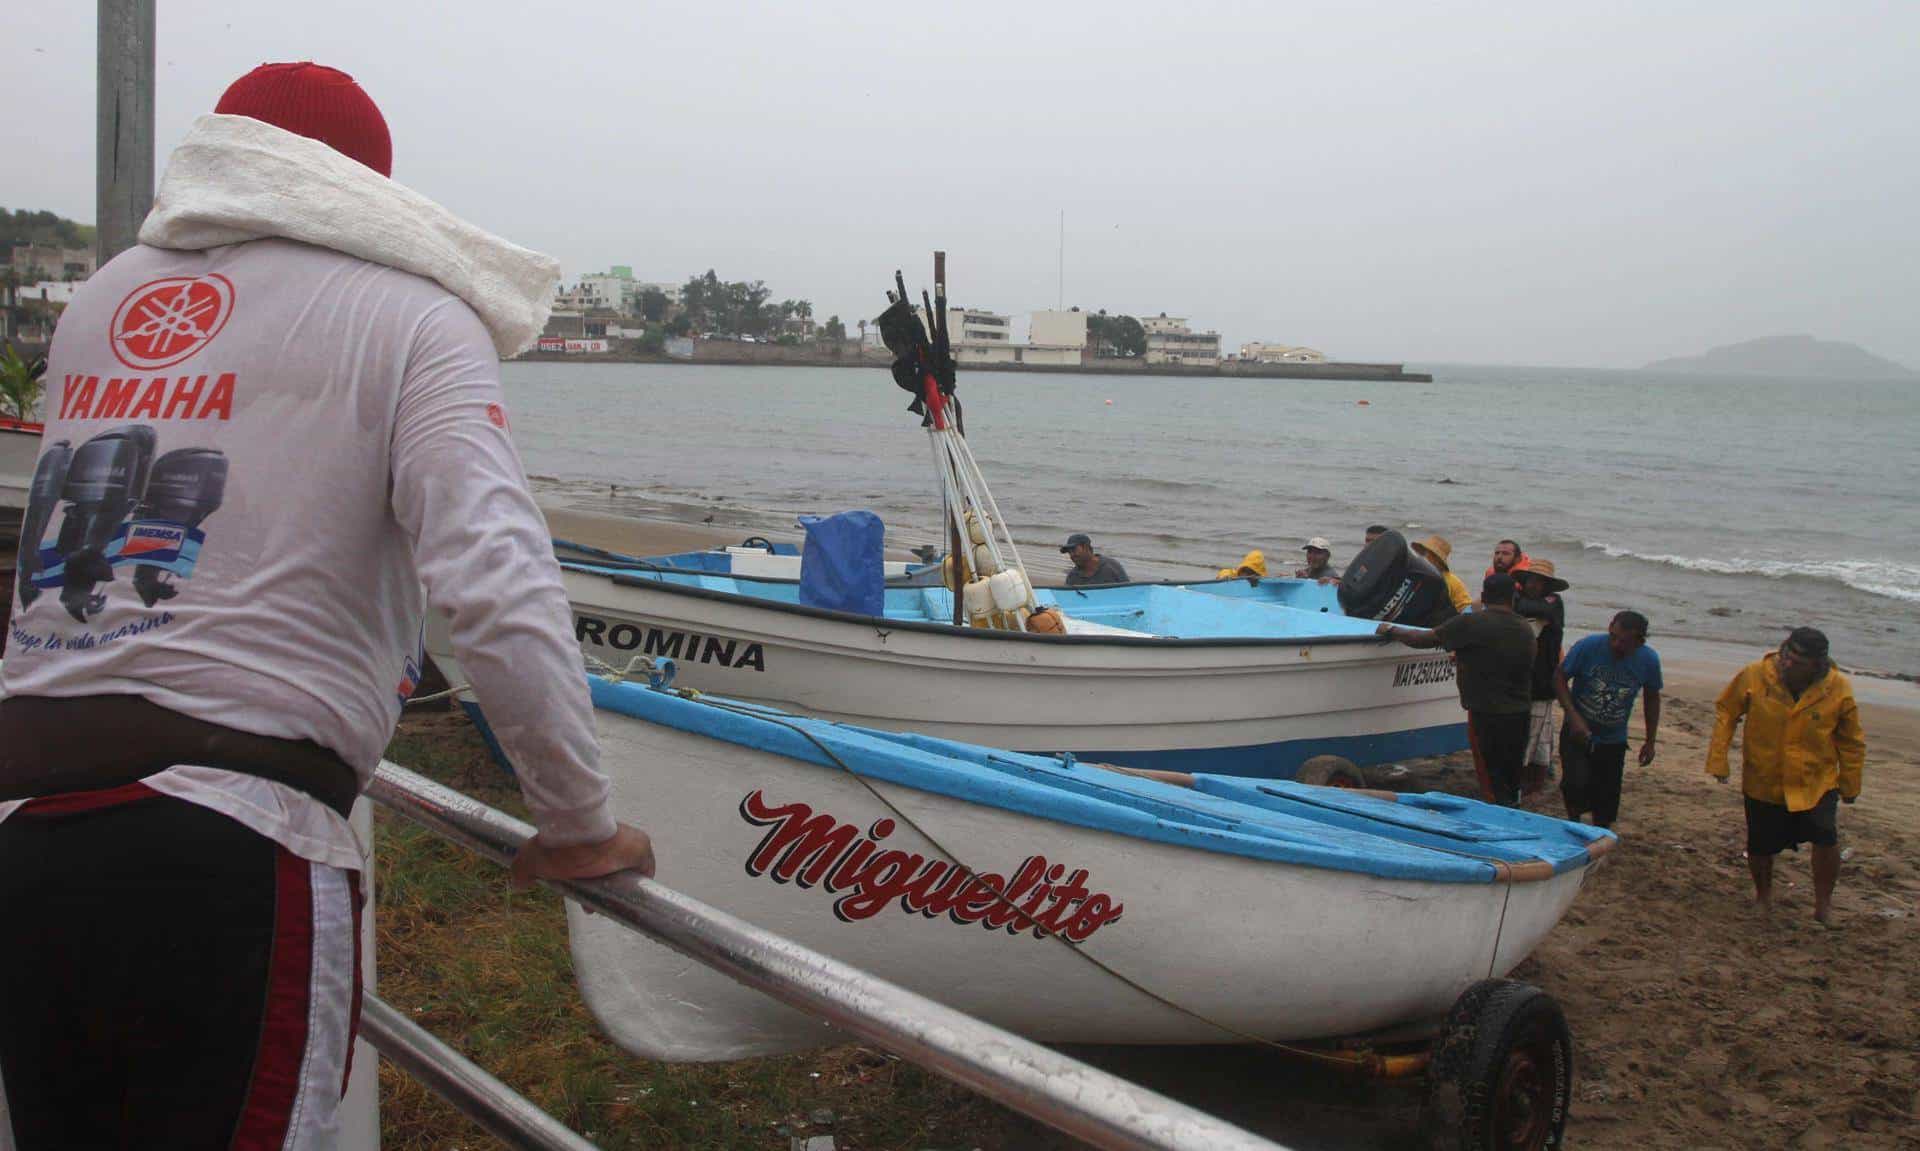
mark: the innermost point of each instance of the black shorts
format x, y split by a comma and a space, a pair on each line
1771, 828
1590, 777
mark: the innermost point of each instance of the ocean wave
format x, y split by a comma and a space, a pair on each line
1170, 487
1887, 578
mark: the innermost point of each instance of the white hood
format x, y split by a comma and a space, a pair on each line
235, 179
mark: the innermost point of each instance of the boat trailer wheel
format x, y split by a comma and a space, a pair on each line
1330, 771
1502, 1071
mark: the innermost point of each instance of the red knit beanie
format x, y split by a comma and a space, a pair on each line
317, 102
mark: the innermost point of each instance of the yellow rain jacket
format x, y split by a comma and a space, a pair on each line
1457, 591
1255, 564
1796, 750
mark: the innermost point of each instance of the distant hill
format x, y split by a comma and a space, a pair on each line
1790, 356
26, 227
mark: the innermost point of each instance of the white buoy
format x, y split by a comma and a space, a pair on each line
1009, 591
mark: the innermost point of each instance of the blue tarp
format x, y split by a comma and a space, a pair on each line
841, 563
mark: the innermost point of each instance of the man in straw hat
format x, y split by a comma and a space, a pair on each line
181, 886
1539, 604
1804, 752
1436, 550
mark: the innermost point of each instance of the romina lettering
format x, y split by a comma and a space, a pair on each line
690, 647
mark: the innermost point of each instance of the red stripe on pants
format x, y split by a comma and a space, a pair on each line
283, 1030
71, 803
353, 1012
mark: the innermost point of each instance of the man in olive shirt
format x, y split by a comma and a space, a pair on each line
1089, 566
1494, 650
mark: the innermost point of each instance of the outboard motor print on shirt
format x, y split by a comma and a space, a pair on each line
122, 509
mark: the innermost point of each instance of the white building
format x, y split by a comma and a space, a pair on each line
49, 291
1056, 338
1275, 353
604, 292
978, 326
980, 336
1170, 341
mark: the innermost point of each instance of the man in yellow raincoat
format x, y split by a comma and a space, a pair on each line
1253, 566
1804, 752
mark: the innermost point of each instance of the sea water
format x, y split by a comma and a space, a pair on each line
1722, 508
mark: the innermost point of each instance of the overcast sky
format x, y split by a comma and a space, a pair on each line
1522, 183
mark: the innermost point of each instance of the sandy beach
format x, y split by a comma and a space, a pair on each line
1697, 1022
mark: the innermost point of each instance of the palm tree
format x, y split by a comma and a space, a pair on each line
19, 382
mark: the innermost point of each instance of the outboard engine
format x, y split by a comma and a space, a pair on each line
1390, 581
49, 479
186, 487
106, 479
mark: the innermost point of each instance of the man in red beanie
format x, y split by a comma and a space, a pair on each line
258, 449
317, 102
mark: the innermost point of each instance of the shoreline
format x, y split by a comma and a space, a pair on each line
781, 356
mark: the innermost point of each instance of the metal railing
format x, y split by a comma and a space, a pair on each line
1081, 1100
503, 1112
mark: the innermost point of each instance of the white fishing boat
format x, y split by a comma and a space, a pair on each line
1064, 901
1226, 677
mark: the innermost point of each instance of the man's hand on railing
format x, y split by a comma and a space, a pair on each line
629, 848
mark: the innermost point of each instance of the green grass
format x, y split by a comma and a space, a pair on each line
487, 970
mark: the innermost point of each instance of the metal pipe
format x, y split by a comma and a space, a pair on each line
479, 1096
1065, 1093
123, 124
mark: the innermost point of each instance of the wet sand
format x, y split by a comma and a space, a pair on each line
1697, 1022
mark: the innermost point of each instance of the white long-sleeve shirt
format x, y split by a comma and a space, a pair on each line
359, 413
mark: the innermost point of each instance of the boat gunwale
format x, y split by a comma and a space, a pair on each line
1202, 824
628, 579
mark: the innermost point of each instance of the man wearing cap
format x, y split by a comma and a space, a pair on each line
1494, 649
301, 379
1319, 561
1089, 566
1436, 550
1804, 753
1539, 604
1596, 685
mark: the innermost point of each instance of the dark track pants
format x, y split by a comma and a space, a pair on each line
1499, 745
170, 979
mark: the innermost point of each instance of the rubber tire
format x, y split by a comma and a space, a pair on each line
1499, 1030
1330, 771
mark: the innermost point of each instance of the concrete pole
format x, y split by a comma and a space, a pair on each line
123, 115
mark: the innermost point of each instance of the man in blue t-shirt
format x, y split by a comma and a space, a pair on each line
1596, 684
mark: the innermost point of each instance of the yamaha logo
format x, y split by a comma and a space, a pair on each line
163, 322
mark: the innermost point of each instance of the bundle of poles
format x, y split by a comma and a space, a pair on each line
983, 566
